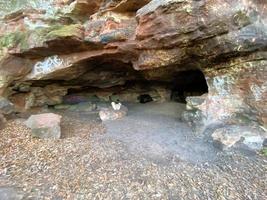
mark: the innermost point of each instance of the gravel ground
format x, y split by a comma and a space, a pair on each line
106, 161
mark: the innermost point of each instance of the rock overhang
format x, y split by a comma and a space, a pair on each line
119, 41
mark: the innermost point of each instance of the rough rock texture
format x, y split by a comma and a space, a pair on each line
104, 44
227, 137
45, 126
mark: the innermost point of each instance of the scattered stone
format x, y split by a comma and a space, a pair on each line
107, 114
6, 107
229, 136
45, 125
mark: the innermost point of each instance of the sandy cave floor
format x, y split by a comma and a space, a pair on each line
150, 154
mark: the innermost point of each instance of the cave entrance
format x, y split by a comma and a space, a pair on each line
134, 91
182, 85
103, 87
188, 83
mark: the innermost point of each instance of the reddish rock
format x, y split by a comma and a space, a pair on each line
13, 68
105, 44
45, 126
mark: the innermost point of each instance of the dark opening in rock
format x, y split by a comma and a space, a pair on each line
108, 82
188, 83
145, 98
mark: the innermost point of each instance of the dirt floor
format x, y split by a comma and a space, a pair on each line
150, 154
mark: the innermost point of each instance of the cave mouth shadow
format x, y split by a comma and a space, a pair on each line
177, 89
188, 83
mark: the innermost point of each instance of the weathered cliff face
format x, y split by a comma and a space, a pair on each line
48, 48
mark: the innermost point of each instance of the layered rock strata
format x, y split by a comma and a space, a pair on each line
48, 48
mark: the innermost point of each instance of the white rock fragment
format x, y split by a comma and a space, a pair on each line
116, 106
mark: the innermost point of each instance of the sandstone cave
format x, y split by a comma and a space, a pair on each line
182, 85
133, 99
114, 81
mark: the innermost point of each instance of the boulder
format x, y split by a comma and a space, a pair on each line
109, 114
6, 107
229, 136
45, 126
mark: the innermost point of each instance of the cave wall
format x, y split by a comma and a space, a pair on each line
62, 44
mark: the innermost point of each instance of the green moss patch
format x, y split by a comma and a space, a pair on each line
64, 31
13, 39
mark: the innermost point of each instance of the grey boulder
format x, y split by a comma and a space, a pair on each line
45, 126
228, 136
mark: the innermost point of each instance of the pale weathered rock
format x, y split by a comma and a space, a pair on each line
109, 114
227, 137
45, 126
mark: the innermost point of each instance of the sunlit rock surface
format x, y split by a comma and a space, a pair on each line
105, 44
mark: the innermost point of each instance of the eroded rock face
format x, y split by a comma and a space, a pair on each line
29, 97
237, 94
104, 44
